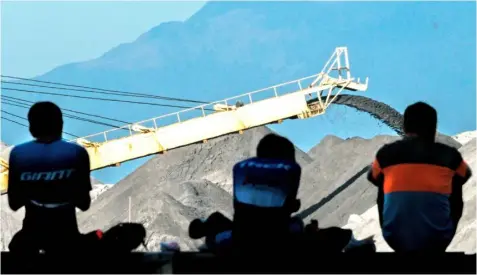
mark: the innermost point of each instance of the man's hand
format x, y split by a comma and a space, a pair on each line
357, 245
83, 182
16, 195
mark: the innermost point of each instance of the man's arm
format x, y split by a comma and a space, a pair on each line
82, 198
375, 175
463, 172
16, 196
462, 175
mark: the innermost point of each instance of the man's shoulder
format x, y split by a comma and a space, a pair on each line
72, 147
448, 153
415, 151
80, 153
391, 147
28, 146
404, 145
60, 144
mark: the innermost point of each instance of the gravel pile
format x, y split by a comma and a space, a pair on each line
191, 182
334, 185
170, 190
384, 113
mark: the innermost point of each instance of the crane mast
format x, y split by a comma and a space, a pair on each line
301, 98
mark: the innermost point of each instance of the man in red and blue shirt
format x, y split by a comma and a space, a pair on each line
419, 186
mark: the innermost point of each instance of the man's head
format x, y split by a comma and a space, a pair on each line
276, 147
273, 146
46, 120
420, 119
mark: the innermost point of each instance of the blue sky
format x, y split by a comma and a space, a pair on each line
38, 36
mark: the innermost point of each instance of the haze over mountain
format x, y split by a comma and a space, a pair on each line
228, 48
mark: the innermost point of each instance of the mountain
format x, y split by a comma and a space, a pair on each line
229, 48
334, 185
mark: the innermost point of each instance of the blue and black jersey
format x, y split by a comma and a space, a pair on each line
262, 188
48, 179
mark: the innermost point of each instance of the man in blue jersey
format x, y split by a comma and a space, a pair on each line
50, 178
265, 196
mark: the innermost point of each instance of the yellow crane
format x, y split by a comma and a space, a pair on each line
301, 98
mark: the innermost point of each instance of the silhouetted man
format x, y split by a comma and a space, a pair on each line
265, 196
420, 186
265, 189
50, 178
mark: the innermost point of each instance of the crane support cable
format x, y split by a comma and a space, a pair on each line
97, 92
103, 99
97, 98
83, 88
71, 116
13, 121
92, 121
67, 115
19, 101
8, 113
19, 104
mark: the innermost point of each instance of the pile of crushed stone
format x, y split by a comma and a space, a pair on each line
170, 190
192, 182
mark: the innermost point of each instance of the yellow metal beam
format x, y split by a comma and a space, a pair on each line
142, 144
